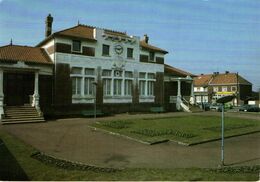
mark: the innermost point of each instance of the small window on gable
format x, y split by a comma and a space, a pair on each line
105, 50
130, 52
76, 46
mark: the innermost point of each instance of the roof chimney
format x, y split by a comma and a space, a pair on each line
48, 25
146, 38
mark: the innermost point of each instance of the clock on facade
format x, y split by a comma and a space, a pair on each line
119, 49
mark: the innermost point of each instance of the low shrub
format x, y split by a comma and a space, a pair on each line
117, 124
153, 133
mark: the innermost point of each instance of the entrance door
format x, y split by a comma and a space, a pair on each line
17, 88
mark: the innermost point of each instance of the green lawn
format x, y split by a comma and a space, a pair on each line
187, 129
36, 170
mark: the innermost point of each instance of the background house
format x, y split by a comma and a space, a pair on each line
213, 86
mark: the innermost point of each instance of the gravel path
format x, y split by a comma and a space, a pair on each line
72, 139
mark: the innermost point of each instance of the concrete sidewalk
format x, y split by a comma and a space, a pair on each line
72, 139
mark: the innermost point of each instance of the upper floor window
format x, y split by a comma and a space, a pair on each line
151, 56
105, 50
76, 45
215, 89
233, 88
224, 89
130, 52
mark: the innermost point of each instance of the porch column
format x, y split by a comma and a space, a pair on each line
179, 88
36, 96
1, 94
192, 90
179, 101
192, 98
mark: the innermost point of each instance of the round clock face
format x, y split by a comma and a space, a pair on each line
118, 49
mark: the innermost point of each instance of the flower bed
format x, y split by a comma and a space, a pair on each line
61, 163
153, 133
117, 124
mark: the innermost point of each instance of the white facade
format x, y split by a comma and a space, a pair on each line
117, 86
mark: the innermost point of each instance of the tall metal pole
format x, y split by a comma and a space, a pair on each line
222, 137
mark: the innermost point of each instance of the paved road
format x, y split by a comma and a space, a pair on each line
72, 139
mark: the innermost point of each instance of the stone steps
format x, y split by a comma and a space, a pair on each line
21, 114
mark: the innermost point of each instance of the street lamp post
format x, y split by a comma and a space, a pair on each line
222, 101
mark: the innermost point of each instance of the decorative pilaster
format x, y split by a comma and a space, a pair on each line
1, 94
36, 96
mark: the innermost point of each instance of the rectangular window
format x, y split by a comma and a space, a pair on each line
106, 73
143, 58
105, 50
76, 70
88, 51
117, 87
129, 74
150, 88
141, 75
89, 86
76, 85
215, 89
151, 56
151, 76
89, 71
224, 89
142, 87
159, 60
128, 87
107, 87
76, 46
130, 52
233, 88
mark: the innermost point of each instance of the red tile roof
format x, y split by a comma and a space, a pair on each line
202, 80
85, 32
13, 53
220, 79
175, 71
147, 46
228, 78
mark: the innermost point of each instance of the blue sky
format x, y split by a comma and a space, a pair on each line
202, 36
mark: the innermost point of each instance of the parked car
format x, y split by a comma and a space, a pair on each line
249, 108
215, 106
205, 106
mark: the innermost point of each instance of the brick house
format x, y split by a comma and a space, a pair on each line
213, 86
72, 69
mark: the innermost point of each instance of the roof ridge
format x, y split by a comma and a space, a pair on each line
15, 45
64, 30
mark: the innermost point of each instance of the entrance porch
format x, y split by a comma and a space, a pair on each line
18, 88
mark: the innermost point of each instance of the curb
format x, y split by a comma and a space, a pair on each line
117, 134
167, 140
216, 139
70, 165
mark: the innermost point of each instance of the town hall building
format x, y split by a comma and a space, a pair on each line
72, 69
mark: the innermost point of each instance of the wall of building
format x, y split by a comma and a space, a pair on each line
65, 60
